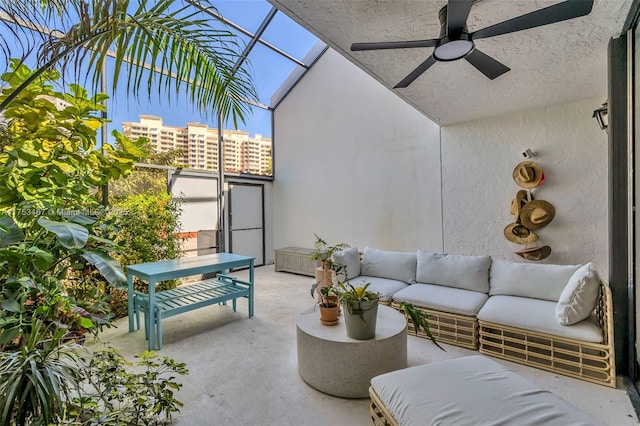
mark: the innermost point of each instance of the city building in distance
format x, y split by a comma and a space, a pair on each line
199, 144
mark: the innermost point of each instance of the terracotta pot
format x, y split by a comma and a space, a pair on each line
329, 314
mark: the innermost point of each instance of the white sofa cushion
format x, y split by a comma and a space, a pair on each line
536, 315
579, 297
538, 281
440, 298
351, 259
389, 264
452, 270
471, 391
384, 286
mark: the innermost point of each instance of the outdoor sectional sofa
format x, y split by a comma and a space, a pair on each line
553, 317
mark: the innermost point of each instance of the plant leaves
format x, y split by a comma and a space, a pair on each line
108, 267
70, 235
11, 305
10, 233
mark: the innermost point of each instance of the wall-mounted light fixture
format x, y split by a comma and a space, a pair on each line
602, 116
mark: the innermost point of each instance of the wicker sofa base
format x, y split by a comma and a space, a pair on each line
379, 415
459, 330
593, 362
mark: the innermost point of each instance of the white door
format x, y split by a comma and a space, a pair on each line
246, 220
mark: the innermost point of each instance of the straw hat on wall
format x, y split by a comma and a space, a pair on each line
528, 174
536, 214
535, 253
519, 234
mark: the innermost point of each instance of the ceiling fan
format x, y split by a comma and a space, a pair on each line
455, 42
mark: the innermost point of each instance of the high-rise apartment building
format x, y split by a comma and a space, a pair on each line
198, 143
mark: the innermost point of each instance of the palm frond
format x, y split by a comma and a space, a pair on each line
158, 46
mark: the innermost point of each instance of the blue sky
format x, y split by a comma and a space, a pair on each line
269, 71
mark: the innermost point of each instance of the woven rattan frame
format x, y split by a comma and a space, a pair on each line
459, 330
593, 362
378, 413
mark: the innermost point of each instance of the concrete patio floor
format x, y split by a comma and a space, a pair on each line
244, 371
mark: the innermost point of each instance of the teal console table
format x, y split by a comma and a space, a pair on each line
189, 297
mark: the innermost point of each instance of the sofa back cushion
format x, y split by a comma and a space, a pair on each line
537, 281
452, 270
389, 264
350, 258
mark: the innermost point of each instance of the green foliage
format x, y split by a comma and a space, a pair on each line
114, 395
323, 251
50, 220
192, 53
419, 319
53, 381
146, 228
37, 379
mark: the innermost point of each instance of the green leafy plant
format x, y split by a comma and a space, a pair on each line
50, 219
37, 379
419, 320
146, 228
324, 251
118, 392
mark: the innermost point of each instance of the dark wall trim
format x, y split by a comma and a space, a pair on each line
618, 200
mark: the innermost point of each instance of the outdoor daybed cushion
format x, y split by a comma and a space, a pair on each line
536, 315
471, 391
444, 299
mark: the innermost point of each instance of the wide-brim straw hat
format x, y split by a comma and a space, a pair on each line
517, 203
528, 174
536, 214
519, 234
535, 253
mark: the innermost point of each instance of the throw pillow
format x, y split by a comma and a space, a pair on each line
579, 297
351, 259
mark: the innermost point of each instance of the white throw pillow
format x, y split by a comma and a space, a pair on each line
351, 259
453, 270
579, 297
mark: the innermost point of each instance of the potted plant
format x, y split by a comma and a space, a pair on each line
323, 252
361, 310
328, 303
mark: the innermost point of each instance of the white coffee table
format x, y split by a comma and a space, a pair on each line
333, 363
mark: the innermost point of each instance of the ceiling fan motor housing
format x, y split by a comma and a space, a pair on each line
451, 47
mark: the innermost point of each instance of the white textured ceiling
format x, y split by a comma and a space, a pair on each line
553, 64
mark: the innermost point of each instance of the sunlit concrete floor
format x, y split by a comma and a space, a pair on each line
243, 371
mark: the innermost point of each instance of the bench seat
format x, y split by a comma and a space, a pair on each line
186, 298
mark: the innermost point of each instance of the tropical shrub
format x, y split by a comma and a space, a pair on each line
51, 223
146, 228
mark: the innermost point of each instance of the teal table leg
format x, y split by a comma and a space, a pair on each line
151, 312
251, 278
130, 300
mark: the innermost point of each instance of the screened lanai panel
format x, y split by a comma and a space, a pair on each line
279, 32
249, 14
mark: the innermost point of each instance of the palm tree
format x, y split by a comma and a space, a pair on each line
165, 45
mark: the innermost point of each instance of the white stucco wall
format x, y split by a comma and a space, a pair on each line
478, 159
355, 164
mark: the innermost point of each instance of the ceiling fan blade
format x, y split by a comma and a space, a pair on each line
457, 14
558, 12
486, 64
393, 45
416, 73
